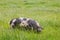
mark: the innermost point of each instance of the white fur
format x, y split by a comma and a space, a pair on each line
37, 23
24, 23
14, 20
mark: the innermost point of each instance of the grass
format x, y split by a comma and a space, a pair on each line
46, 12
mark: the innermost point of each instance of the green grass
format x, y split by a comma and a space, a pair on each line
46, 12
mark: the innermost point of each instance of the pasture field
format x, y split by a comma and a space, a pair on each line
46, 12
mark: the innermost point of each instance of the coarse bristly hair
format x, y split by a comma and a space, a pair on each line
27, 23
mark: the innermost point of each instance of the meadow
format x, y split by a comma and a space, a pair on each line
46, 12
